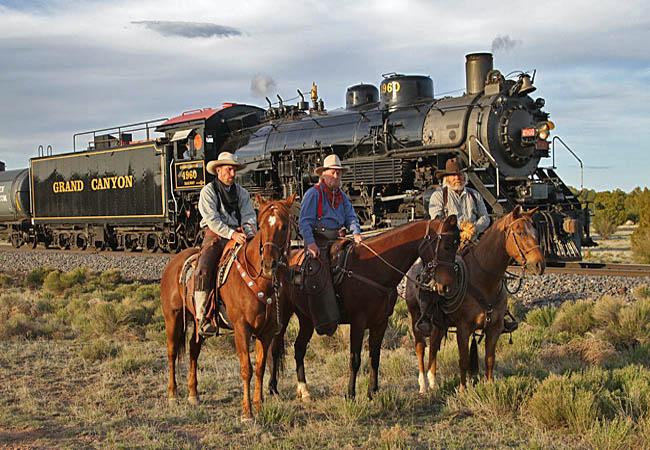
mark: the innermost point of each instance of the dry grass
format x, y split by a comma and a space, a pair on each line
87, 368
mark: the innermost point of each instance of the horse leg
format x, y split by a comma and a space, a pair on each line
242, 337
261, 349
435, 340
195, 349
175, 347
420, 347
462, 337
374, 349
356, 340
491, 338
300, 348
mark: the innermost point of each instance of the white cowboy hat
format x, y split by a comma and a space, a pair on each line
224, 159
331, 162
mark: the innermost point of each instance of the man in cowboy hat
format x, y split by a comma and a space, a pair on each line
325, 210
454, 197
227, 214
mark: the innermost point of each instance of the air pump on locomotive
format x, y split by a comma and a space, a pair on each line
124, 194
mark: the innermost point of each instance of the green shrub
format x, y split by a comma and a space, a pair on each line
574, 317
109, 279
633, 325
642, 292
276, 413
495, 399
604, 224
98, 350
611, 434
557, 403
6, 281
131, 361
147, 292
541, 317
36, 277
640, 243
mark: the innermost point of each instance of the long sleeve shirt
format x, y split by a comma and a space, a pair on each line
343, 216
215, 217
467, 207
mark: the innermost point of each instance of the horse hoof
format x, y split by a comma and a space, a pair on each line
194, 401
246, 418
171, 401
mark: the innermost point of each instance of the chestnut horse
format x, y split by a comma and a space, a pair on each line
249, 315
368, 292
483, 300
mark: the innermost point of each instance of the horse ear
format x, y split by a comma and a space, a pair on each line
261, 201
532, 211
289, 200
516, 213
451, 220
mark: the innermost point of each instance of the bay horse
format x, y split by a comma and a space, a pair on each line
368, 292
482, 302
249, 314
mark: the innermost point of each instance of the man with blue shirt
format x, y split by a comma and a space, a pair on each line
325, 213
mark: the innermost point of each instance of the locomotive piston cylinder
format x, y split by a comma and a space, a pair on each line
477, 66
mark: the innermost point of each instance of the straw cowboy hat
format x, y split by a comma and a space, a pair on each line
331, 162
453, 166
224, 159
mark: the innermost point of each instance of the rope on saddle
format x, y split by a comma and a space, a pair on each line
452, 302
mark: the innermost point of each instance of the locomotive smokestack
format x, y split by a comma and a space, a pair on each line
477, 66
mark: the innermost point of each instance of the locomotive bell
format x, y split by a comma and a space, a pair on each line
526, 85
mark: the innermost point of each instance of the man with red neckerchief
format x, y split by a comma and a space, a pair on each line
325, 210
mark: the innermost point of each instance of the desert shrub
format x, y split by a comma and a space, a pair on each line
606, 310
74, 277
632, 327
517, 308
574, 317
110, 278
349, 412
36, 277
6, 281
275, 413
52, 283
604, 224
496, 399
541, 317
640, 243
131, 361
147, 292
612, 205
98, 350
391, 401
611, 434
557, 403
642, 292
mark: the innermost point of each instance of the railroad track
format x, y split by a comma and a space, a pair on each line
595, 269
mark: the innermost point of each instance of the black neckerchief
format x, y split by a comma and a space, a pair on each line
229, 198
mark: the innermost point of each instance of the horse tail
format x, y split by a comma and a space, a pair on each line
473, 357
278, 354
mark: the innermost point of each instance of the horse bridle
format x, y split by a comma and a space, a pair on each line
522, 252
429, 268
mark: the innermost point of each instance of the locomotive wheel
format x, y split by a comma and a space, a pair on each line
16, 241
151, 244
81, 242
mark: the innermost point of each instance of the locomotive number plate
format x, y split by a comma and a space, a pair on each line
189, 175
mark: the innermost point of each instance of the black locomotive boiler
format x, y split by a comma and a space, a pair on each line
124, 194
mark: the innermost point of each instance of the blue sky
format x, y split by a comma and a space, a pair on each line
70, 66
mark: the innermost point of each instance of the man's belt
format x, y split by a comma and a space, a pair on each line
329, 234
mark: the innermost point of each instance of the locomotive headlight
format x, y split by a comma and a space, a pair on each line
544, 129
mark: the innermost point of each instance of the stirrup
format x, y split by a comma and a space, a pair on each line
207, 329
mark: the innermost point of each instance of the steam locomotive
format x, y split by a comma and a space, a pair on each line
125, 194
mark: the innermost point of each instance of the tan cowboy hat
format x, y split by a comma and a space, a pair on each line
453, 166
224, 159
331, 162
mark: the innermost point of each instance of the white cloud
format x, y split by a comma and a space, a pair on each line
72, 65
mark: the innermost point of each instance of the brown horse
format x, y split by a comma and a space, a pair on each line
483, 300
249, 315
368, 292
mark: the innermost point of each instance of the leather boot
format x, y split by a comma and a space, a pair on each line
200, 304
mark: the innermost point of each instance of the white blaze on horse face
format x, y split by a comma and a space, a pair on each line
422, 382
272, 219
